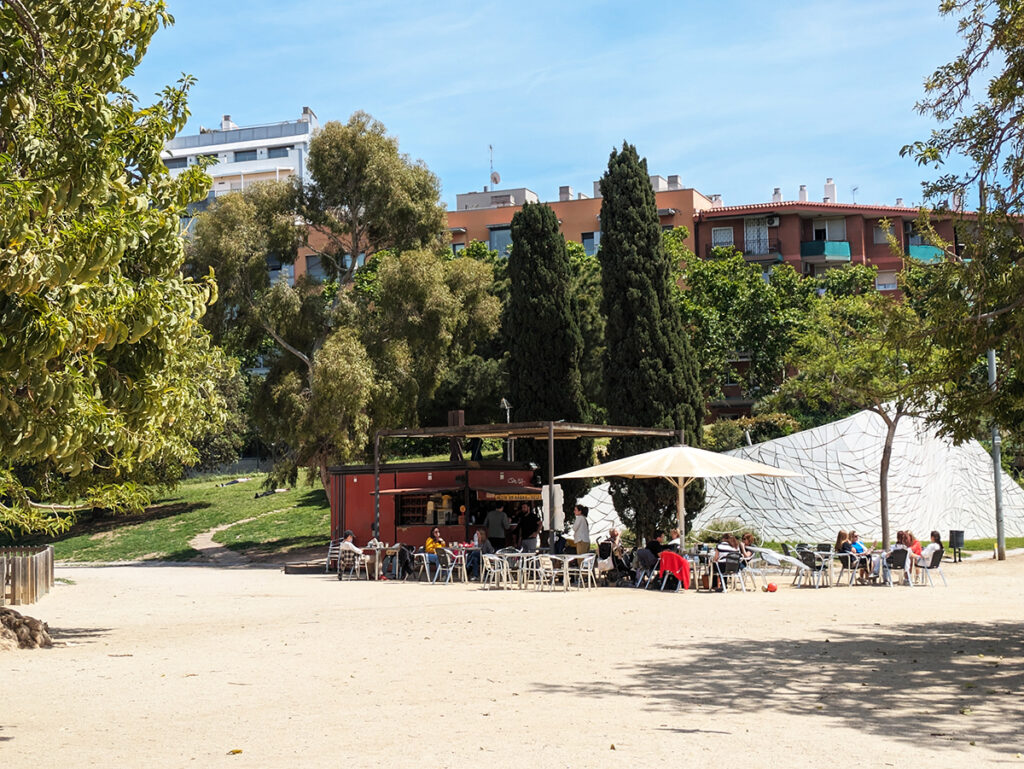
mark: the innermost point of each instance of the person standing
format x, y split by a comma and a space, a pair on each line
581, 529
497, 523
529, 529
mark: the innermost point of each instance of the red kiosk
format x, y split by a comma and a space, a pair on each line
402, 502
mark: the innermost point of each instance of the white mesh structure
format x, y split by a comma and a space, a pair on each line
932, 485
602, 515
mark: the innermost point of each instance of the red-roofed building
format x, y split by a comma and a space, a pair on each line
816, 236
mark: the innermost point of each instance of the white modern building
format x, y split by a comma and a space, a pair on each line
247, 154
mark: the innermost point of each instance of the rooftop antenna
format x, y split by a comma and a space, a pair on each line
853, 193
495, 176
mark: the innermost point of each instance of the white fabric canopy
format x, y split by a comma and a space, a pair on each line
679, 465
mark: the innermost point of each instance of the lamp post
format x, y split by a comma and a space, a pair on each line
997, 466
509, 442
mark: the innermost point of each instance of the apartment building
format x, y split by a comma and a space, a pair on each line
246, 154
486, 216
814, 236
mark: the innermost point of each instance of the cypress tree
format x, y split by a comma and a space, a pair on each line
651, 374
544, 341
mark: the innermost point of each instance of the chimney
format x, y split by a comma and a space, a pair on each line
958, 200
899, 202
830, 191
803, 193
716, 200
674, 182
597, 189
485, 188
581, 196
226, 124
658, 183
565, 193
777, 195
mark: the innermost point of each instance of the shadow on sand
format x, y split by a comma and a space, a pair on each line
923, 684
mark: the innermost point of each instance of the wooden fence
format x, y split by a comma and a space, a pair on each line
26, 574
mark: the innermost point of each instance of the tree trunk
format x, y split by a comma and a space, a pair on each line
325, 477
883, 479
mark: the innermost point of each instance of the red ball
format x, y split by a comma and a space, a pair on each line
772, 587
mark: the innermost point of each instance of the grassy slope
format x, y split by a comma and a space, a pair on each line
287, 521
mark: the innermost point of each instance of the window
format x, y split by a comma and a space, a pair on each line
913, 237
176, 162
879, 235
886, 280
456, 247
591, 242
278, 152
501, 240
721, 237
411, 510
244, 155
315, 269
830, 229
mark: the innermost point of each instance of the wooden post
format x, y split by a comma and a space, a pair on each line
3, 580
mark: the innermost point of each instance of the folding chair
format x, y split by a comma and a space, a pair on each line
332, 556
349, 564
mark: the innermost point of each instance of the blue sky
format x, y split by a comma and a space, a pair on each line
735, 97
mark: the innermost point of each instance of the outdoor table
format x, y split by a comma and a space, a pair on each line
516, 562
566, 559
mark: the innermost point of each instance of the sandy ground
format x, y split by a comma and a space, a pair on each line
171, 666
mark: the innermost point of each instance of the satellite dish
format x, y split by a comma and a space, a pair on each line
495, 177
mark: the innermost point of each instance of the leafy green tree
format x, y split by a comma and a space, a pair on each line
975, 298
651, 374
106, 375
729, 434
544, 341
867, 352
366, 196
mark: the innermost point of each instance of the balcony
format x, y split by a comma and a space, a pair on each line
926, 254
766, 250
825, 251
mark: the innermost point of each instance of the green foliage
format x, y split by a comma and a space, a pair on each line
586, 292
282, 522
366, 196
544, 342
871, 352
106, 375
729, 434
651, 374
734, 314
850, 280
975, 301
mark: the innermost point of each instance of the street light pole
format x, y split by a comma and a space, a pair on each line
997, 466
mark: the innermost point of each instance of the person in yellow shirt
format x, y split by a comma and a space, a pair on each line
434, 541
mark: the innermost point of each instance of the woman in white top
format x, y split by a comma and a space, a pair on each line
925, 559
581, 529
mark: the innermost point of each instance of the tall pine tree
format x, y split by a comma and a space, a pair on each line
544, 341
651, 374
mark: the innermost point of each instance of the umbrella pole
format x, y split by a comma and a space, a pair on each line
681, 512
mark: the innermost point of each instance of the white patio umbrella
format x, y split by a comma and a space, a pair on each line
680, 466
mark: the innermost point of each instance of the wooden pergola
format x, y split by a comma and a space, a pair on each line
540, 431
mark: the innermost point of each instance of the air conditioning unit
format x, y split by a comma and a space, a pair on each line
773, 221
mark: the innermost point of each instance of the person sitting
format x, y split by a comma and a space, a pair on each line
474, 557
727, 546
747, 542
348, 544
434, 541
657, 543
675, 541
615, 541
647, 556
915, 551
924, 561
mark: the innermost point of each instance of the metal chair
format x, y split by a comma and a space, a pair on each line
817, 567
495, 572
349, 565
422, 559
935, 565
583, 571
898, 560
449, 564
728, 565
547, 572
333, 548
848, 562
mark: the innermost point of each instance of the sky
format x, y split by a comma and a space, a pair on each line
736, 97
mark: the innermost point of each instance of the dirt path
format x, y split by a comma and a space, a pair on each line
217, 555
